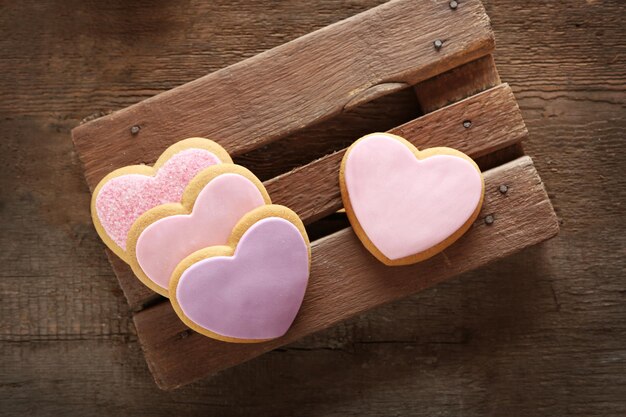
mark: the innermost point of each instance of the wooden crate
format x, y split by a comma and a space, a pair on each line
380, 70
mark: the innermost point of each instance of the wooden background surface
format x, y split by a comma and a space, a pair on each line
540, 333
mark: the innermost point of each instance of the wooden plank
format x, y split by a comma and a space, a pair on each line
312, 191
292, 86
346, 280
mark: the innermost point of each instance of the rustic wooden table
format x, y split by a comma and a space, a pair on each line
539, 333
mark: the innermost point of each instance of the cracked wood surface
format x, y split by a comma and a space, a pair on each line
538, 333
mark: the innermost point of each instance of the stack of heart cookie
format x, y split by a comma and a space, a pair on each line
202, 231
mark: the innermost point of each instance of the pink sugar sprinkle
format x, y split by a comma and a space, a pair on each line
123, 199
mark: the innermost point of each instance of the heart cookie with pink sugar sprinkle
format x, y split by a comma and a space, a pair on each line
125, 194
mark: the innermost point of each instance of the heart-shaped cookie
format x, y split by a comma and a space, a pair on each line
407, 205
212, 204
251, 290
126, 193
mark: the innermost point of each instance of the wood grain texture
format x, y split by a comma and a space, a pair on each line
312, 191
347, 280
539, 333
290, 87
458, 83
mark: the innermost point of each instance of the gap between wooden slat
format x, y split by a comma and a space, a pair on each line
321, 139
346, 280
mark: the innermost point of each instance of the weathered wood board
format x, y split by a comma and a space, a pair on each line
539, 333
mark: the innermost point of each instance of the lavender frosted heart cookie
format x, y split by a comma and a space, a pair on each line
212, 204
407, 205
126, 193
251, 289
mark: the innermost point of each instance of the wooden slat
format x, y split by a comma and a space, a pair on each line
312, 191
346, 280
292, 86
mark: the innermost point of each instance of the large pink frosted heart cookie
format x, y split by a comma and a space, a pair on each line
126, 193
251, 290
212, 204
407, 205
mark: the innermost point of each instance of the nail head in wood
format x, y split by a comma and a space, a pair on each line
503, 189
438, 44
135, 129
467, 124
454, 5
184, 334
489, 219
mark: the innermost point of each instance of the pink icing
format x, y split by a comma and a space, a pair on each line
254, 294
406, 205
123, 199
219, 206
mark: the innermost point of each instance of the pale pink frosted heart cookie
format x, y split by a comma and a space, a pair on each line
407, 205
251, 290
212, 204
126, 193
